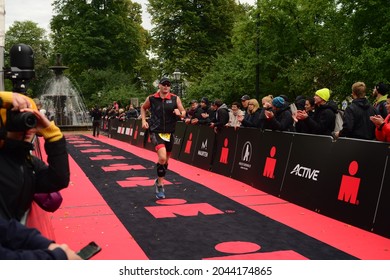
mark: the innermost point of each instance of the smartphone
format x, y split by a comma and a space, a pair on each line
89, 251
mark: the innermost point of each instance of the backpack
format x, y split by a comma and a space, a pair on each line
339, 120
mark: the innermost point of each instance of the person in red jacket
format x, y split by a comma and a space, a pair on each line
382, 130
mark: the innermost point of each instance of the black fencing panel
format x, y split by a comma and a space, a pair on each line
307, 172
189, 144
353, 187
180, 131
138, 134
113, 128
204, 147
224, 152
130, 128
123, 131
246, 162
382, 221
274, 150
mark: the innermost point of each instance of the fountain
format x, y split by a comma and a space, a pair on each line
63, 103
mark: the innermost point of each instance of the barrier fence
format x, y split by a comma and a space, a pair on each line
347, 179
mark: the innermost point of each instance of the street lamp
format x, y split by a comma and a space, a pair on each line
176, 77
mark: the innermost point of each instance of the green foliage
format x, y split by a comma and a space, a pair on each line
98, 35
110, 85
303, 46
190, 34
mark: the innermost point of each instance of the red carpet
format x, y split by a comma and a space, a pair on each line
85, 215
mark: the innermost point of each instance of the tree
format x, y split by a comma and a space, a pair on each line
28, 32
99, 35
189, 34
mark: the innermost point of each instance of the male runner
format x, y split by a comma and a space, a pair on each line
166, 109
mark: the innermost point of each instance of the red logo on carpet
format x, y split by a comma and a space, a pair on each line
242, 250
173, 208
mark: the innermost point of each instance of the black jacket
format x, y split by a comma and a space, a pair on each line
221, 116
282, 120
356, 120
22, 175
198, 115
18, 242
324, 119
252, 119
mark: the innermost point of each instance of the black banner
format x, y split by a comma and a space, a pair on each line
382, 224
273, 156
189, 144
307, 172
180, 131
246, 162
204, 147
352, 189
224, 153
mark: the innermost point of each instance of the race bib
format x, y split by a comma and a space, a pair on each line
165, 136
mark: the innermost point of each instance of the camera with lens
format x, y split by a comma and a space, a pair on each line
20, 121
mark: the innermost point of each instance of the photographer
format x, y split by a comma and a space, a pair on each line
22, 174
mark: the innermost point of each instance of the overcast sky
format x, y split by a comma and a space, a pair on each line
40, 12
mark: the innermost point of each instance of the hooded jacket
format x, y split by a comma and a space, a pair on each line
221, 116
356, 120
323, 120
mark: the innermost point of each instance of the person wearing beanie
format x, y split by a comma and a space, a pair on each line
324, 94
280, 117
324, 117
380, 92
356, 119
22, 174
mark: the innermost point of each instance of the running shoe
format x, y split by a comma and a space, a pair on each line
159, 190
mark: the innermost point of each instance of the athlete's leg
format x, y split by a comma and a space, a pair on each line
161, 164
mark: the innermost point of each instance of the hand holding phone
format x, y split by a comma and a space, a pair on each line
89, 251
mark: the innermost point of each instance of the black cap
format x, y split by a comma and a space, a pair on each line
164, 79
245, 97
382, 88
205, 100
